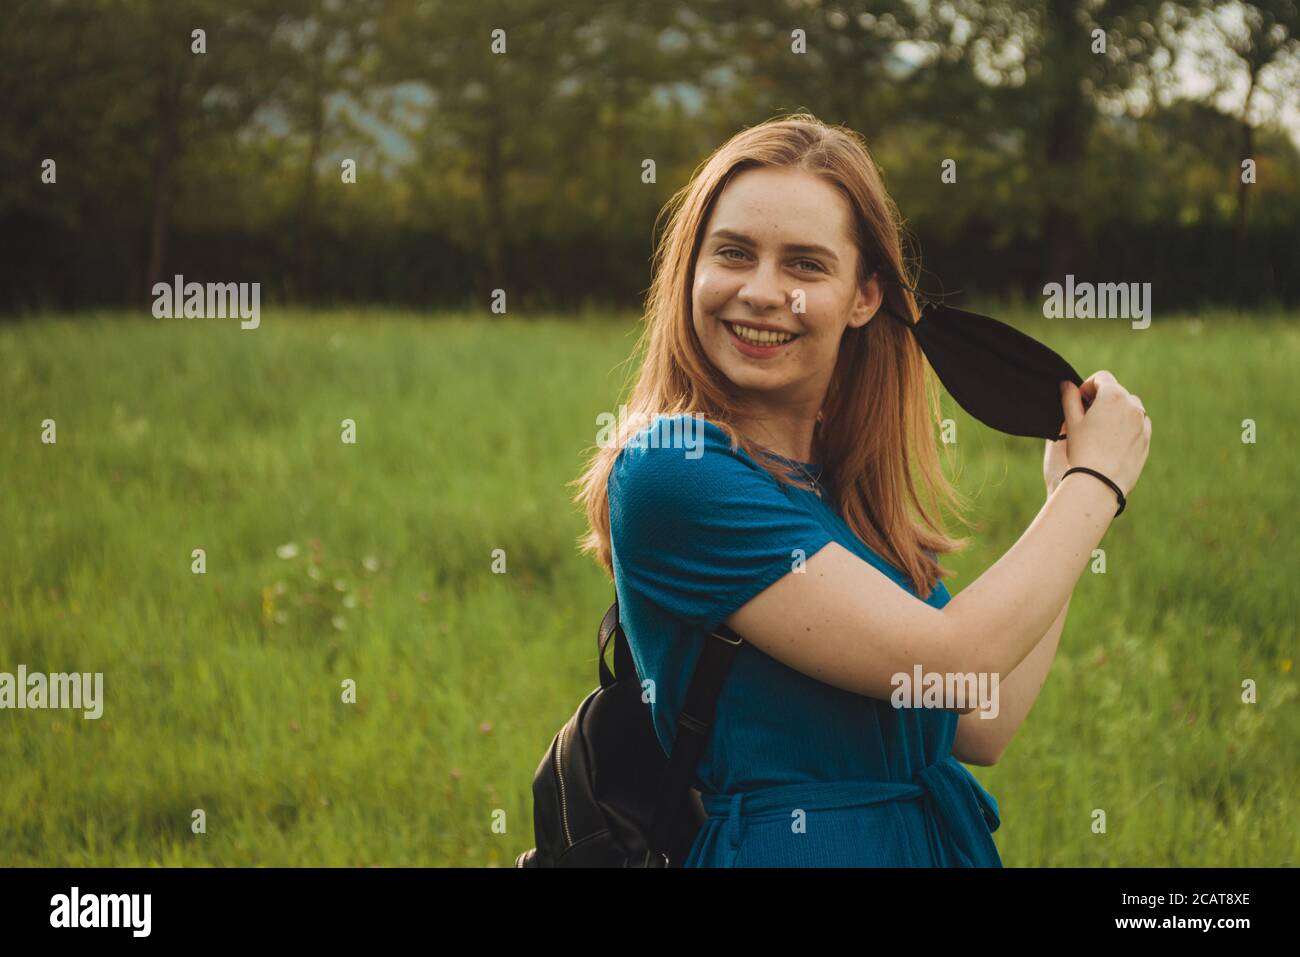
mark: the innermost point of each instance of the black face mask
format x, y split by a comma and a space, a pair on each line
1002, 377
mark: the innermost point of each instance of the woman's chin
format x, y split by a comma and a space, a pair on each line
752, 379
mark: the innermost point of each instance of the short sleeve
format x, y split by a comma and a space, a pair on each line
699, 531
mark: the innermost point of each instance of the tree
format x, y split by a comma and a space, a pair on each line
1258, 38
201, 88
322, 45
1054, 65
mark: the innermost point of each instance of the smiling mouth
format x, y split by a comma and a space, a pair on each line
760, 338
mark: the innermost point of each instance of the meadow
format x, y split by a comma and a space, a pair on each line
327, 561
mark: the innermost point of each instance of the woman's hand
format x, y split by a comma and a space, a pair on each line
1056, 459
1114, 436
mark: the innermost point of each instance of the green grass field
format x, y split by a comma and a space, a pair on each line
223, 690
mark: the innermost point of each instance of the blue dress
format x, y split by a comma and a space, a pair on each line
796, 772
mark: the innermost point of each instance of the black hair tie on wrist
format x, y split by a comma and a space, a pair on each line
1080, 468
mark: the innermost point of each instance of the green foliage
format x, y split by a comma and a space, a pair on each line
223, 691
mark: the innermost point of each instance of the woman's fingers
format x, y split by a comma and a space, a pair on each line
1071, 401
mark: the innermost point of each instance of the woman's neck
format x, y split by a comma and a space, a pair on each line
790, 433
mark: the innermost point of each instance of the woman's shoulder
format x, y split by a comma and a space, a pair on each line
696, 527
679, 476
673, 450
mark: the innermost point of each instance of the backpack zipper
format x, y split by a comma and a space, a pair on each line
559, 773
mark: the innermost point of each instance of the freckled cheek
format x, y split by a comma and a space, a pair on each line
819, 343
818, 320
711, 292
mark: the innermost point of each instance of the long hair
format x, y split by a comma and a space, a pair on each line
876, 440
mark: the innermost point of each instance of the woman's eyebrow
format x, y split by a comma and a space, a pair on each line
734, 236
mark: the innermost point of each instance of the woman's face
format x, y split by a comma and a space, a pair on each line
775, 285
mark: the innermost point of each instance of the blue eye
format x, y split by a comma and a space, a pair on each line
815, 265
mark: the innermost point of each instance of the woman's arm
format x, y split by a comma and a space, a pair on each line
980, 740
842, 621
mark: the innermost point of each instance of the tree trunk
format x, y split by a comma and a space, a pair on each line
1247, 148
494, 196
1069, 120
166, 153
307, 203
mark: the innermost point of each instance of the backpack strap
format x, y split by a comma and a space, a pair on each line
693, 727
693, 724
612, 630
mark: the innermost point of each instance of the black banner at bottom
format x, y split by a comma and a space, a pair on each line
332, 907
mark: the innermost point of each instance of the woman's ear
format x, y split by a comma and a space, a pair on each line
866, 301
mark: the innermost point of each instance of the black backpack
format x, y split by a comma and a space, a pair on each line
605, 794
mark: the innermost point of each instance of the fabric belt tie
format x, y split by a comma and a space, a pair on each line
959, 814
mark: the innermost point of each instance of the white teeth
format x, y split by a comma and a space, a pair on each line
764, 337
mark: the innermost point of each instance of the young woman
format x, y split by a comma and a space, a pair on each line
782, 423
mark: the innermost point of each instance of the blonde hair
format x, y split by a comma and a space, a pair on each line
875, 440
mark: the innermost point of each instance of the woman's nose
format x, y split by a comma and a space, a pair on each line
763, 288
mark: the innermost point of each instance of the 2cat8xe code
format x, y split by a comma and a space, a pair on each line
1159, 900
1220, 898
